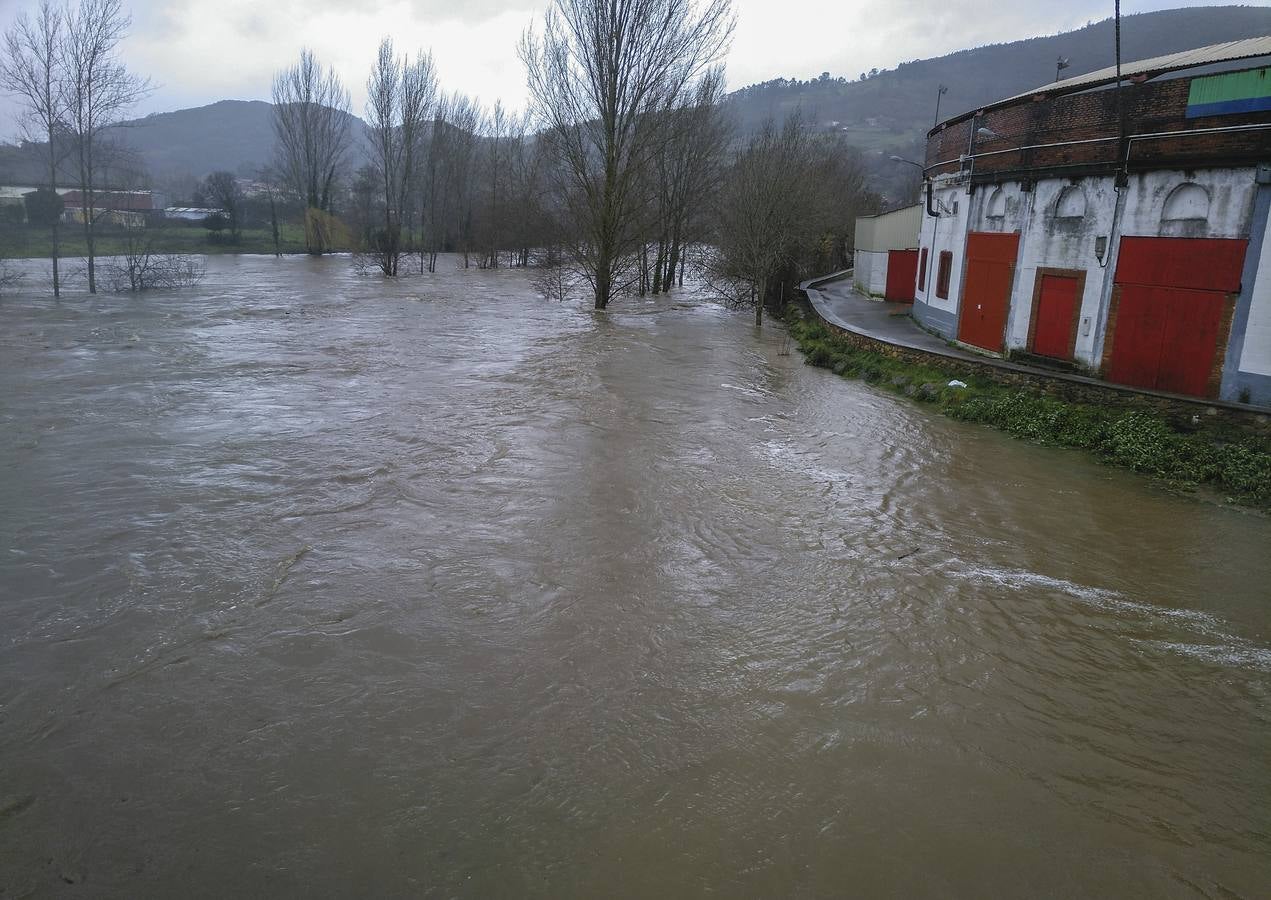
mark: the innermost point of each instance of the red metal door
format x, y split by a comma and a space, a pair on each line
986, 296
1173, 296
1166, 338
1057, 305
902, 272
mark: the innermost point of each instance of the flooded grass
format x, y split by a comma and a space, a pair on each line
1237, 464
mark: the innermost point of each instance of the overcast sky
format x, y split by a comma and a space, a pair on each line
200, 51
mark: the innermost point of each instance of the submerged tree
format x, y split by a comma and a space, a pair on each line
401, 94
687, 172
98, 90
222, 189
31, 68
600, 73
311, 127
787, 201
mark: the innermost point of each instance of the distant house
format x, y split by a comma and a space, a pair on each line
189, 213
117, 207
11, 198
885, 259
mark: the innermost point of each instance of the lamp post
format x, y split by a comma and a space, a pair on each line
1060, 64
922, 170
941, 90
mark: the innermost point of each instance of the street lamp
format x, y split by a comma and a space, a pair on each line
940, 92
922, 170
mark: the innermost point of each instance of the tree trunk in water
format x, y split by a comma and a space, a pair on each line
57, 284
659, 266
273, 224
89, 245
603, 285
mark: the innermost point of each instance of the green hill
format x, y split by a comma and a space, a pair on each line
890, 111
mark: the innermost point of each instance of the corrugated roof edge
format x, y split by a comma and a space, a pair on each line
1228, 51
888, 212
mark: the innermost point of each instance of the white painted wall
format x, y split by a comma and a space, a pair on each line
1231, 195
870, 271
947, 232
1255, 354
1050, 240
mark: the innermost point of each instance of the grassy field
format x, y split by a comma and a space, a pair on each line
18, 243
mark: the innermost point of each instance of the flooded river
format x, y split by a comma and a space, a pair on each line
316, 586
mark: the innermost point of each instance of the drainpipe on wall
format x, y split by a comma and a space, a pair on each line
1109, 277
1123, 146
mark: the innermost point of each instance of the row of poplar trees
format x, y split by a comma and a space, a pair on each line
624, 163
62, 66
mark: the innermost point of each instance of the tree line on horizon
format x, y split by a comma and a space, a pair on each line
624, 172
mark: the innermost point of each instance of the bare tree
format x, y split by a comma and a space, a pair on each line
450, 177
401, 94
767, 211
688, 166
311, 127
31, 68
268, 177
98, 91
222, 189
142, 268
599, 74
9, 277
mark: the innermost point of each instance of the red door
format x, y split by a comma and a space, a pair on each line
902, 272
1166, 338
1057, 304
986, 295
1173, 296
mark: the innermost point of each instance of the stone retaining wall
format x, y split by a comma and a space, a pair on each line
1186, 414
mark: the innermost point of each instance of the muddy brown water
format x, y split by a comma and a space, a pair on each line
316, 586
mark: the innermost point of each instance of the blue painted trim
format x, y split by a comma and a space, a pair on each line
1235, 382
1229, 107
943, 323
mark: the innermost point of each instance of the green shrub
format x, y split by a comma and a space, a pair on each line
1140, 442
1135, 440
1245, 469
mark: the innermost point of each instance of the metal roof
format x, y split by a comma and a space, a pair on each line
1247, 48
1187, 59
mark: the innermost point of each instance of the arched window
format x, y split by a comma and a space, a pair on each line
997, 205
1186, 203
1071, 203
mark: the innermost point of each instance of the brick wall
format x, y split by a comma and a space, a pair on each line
1149, 107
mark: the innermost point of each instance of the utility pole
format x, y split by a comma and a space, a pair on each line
940, 92
1123, 164
1060, 64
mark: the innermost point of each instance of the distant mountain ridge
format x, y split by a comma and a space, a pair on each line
897, 106
231, 135
885, 112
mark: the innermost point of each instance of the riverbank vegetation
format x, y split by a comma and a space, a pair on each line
1223, 458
